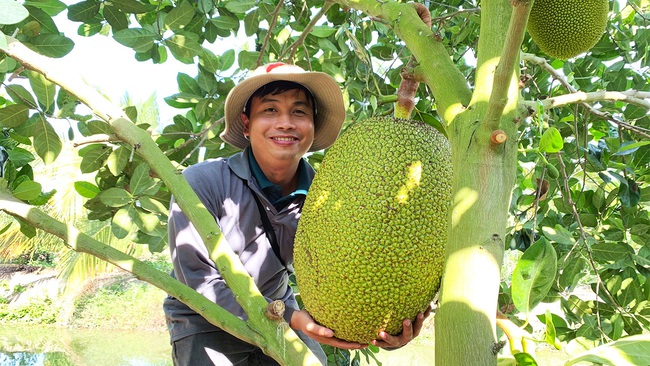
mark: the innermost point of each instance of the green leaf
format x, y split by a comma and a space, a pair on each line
133, 6
187, 84
50, 7
572, 272
558, 234
241, 6
205, 6
28, 190
323, 31
44, 89
51, 45
140, 180
184, 47
98, 127
116, 197
251, 23
551, 334
153, 205
6, 228
147, 222
629, 193
12, 12
524, 359
227, 60
88, 30
4, 64
629, 351
610, 252
46, 141
115, 17
20, 157
533, 275
86, 189
132, 36
122, 223
225, 22
19, 94
27, 229
118, 159
83, 11
180, 16
630, 147
551, 141
93, 158
248, 59
209, 61
13, 115
44, 20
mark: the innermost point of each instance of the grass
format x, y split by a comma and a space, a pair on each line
124, 304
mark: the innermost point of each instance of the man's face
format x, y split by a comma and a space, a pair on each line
280, 126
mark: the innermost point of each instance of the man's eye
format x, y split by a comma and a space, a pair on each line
299, 111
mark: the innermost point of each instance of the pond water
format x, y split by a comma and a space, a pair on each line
42, 345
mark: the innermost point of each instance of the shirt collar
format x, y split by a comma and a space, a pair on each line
265, 184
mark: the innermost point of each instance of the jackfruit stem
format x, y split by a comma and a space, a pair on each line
406, 91
409, 85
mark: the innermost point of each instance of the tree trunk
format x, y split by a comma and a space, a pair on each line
484, 156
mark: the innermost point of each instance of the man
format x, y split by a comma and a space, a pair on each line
276, 116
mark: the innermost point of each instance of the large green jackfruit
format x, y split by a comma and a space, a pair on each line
567, 28
369, 250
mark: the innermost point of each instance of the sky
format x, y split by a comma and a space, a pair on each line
112, 68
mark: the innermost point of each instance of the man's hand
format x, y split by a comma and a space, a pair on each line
301, 320
409, 331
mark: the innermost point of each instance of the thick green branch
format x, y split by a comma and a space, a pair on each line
505, 70
447, 83
83, 243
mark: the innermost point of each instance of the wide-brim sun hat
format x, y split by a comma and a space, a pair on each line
330, 109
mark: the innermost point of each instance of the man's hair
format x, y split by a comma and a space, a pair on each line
279, 87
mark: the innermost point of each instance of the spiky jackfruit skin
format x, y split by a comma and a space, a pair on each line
369, 249
567, 28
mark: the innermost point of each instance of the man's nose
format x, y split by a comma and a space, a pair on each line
285, 121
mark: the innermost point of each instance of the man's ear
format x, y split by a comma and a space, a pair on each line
245, 120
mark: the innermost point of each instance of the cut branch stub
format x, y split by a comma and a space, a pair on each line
275, 310
498, 137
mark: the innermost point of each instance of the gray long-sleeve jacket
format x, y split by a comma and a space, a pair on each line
225, 187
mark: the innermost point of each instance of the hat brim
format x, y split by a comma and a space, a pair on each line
330, 109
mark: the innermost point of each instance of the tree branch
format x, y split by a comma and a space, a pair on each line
506, 68
448, 84
634, 97
294, 47
274, 17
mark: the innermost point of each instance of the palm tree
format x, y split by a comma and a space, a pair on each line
67, 205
